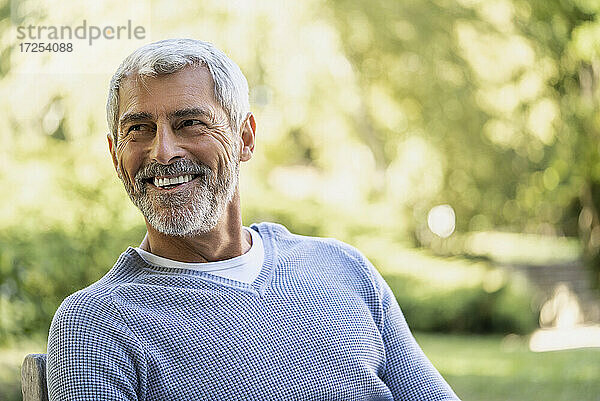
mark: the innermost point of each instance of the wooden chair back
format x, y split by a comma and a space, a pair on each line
33, 378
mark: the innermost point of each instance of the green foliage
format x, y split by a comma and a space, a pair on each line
505, 95
39, 269
465, 309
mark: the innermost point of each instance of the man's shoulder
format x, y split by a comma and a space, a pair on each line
321, 246
91, 301
327, 257
97, 298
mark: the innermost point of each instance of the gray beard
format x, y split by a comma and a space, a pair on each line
195, 210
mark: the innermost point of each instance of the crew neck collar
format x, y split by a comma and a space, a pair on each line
258, 286
254, 255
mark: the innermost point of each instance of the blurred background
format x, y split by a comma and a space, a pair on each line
454, 142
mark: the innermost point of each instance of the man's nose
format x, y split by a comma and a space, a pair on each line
166, 147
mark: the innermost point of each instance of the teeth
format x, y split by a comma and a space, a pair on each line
162, 182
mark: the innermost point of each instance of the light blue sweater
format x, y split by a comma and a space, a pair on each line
319, 323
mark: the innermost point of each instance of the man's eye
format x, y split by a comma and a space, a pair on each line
137, 127
189, 123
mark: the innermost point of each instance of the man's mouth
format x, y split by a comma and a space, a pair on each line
171, 182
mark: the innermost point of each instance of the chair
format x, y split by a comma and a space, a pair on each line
33, 378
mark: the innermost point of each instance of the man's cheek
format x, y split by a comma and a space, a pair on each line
124, 175
122, 143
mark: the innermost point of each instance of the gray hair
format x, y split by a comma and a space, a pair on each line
172, 55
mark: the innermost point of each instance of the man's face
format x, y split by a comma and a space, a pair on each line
176, 153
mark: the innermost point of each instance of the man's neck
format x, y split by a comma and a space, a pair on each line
226, 240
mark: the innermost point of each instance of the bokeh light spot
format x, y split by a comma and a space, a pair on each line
442, 220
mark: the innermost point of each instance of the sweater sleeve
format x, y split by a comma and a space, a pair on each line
92, 354
408, 373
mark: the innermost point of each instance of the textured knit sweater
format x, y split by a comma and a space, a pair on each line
318, 323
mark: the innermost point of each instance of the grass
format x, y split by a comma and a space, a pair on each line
486, 368
491, 368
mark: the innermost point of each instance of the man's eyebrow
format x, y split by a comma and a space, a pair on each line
191, 112
135, 116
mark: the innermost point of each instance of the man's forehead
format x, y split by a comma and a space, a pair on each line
191, 85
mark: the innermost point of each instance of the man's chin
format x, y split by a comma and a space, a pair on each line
179, 222
174, 229
179, 214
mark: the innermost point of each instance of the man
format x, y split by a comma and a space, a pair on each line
205, 308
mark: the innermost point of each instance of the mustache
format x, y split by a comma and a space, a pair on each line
179, 167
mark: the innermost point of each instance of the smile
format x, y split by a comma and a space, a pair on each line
172, 182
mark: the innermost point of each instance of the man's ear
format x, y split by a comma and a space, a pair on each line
248, 134
113, 151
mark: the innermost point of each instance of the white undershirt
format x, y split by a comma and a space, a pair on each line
244, 268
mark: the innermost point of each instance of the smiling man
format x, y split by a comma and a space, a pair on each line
206, 308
